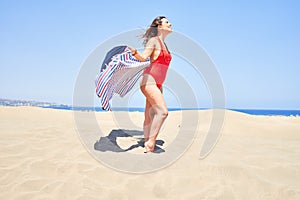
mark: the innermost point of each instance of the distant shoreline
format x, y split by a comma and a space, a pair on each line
264, 112
257, 112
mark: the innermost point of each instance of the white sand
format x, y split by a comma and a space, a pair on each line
42, 157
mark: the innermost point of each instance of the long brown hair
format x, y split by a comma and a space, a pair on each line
152, 30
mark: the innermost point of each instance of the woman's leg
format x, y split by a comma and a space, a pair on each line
157, 112
148, 120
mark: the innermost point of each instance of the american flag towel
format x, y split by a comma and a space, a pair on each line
119, 73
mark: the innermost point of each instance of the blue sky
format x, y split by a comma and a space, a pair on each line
255, 45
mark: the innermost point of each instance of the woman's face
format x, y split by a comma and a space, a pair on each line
166, 25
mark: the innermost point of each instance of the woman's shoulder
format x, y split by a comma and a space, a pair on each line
152, 42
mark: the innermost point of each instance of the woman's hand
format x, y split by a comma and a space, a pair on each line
133, 50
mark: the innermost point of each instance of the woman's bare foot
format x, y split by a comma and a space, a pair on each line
149, 146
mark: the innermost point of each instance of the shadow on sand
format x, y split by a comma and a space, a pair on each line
109, 143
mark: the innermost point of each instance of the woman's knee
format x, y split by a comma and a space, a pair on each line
163, 113
159, 110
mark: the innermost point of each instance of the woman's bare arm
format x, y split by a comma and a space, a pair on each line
148, 50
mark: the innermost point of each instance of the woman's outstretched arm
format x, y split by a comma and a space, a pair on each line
148, 50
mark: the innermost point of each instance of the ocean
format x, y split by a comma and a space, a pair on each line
265, 112
269, 112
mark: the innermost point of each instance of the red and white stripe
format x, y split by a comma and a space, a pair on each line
121, 74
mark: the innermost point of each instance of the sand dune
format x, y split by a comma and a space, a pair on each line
42, 157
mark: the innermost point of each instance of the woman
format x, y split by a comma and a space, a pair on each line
153, 77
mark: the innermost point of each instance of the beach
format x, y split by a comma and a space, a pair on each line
42, 156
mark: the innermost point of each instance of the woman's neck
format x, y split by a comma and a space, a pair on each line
162, 36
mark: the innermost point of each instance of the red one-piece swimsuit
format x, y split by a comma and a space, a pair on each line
159, 67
